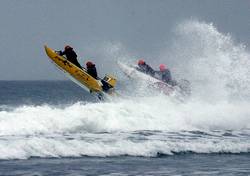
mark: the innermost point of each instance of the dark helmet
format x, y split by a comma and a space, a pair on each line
89, 64
141, 62
67, 47
162, 67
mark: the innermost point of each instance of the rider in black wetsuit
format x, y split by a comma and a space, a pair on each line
145, 68
165, 74
91, 70
70, 55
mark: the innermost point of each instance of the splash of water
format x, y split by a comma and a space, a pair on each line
217, 67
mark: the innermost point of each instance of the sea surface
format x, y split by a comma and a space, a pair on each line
56, 128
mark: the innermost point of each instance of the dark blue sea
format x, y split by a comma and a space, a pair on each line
57, 128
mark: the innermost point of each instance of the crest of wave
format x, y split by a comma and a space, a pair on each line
218, 67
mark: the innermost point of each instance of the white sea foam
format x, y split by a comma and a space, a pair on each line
116, 144
109, 129
148, 113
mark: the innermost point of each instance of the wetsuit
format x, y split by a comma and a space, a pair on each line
91, 70
145, 68
165, 76
71, 56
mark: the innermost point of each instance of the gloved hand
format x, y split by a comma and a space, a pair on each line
59, 52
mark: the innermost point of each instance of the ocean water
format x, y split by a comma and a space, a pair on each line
56, 128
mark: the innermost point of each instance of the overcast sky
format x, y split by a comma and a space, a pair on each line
141, 26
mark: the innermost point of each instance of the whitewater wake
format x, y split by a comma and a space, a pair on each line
215, 119
128, 127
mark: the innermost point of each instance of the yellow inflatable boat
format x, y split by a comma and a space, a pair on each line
80, 76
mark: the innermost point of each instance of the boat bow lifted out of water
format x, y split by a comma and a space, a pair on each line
81, 77
181, 89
